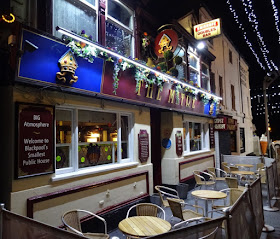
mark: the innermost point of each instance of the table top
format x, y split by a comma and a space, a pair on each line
209, 194
143, 226
243, 172
244, 165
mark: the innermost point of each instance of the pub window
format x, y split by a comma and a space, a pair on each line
180, 51
230, 56
232, 97
205, 77
194, 67
221, 91
86, 138
196, 136
75, 16
119, 28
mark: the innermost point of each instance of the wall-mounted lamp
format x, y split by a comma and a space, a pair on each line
200, 45
28, 46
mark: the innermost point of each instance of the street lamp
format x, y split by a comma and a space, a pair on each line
268, 80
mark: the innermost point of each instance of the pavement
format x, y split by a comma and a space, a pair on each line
271, 218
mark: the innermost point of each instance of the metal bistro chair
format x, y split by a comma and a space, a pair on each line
215, 171
233, 183
201, 181
165, 192
147, 209
177, 210
71, 221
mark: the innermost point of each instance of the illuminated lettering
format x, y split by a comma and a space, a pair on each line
193, 105
171, 96
188, 102
183, 96
140, 84
158, 94
150, 91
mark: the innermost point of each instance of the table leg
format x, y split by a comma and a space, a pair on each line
206, 207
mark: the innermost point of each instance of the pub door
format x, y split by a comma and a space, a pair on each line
156, 145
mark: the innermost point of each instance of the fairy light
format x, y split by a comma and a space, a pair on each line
13, 18
240, 25
248, 7
171, 79
276, 17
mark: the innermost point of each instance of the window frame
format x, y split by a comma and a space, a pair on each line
119, 24
191, 52
89, 6
73, 152
205, 137
206, 76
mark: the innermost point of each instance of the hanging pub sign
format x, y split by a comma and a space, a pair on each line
35, 129
166, 40
143, 146
207, 29
179, 143
225, 123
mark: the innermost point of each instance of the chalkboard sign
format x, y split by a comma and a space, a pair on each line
35, 131
212, 136
143, 146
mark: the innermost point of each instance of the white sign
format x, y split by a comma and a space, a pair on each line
207, 29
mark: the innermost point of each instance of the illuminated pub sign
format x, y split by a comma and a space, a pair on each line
225, 123
52, 64
207, 29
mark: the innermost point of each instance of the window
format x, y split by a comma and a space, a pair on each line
194, 67
180, 51
119, 28
232, 97
230, 56
196, 136
205, 77
75, 16
221, 91
87, 138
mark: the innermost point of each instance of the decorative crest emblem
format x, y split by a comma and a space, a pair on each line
68, 66
164, 44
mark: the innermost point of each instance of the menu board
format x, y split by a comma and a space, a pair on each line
179, 143
35, 129
143, 145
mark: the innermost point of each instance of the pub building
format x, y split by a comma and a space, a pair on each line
97, 112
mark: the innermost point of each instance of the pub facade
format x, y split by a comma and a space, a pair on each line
99, 111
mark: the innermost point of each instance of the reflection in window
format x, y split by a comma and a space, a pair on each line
194, 76
195, 136
205, 78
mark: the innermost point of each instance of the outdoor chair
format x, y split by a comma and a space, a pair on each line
147, 209
215, 171
201, 180
177, 209
71, 221
232, 195
225, 167
165, 192
261, 172
232, 182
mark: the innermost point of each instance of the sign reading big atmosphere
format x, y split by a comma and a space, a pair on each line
35, 140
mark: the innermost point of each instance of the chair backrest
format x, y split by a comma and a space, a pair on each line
165, 192
72, 221
212, 171
146, 209
233, 168
232, 182
234, 194
260, 166
176, 208
197, 176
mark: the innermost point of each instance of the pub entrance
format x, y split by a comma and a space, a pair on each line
156, 145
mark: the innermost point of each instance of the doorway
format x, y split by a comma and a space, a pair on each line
156, 145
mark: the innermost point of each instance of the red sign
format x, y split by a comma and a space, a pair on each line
225, 123
35, 140
179, 143
166, 40
143, 146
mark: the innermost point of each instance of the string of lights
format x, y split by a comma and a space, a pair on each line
240, 25
276, 17
249, 10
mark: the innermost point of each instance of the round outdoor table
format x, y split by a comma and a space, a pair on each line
208, 195
144, 226
244, 165
243, 172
